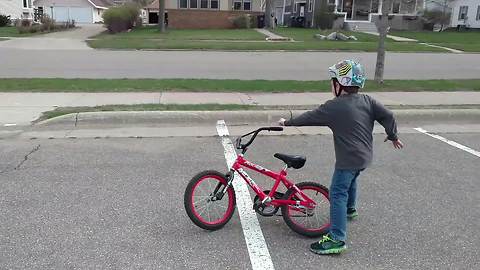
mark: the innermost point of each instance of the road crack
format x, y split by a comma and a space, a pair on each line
25, 158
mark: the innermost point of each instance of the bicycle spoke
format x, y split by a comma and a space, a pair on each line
203, 211
201, 200
208, 213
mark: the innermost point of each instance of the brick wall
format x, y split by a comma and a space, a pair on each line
203, 19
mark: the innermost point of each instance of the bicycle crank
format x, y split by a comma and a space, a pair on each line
266, 209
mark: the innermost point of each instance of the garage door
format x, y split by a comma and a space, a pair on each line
78, 14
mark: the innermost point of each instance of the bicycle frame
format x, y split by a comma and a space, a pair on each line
281, 177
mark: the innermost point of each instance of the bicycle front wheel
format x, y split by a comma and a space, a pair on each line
202, 204
308, 222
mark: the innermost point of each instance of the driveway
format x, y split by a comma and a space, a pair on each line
64, 40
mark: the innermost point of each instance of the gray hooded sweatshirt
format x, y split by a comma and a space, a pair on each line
351, 118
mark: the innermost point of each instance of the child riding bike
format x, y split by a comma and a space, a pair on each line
351, 117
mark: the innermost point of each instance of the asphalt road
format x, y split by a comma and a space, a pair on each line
118, 204
63, 63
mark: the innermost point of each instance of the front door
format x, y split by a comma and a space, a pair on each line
348, 8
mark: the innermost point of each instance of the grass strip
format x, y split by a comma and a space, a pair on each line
207, 85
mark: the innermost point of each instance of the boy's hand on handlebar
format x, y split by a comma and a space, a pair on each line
397, 143
281, 122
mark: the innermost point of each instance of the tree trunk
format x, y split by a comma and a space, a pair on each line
382, 27
268, 14
161, 15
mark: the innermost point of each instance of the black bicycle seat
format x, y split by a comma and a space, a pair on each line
292, 161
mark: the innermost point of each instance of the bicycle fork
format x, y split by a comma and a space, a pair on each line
220, 189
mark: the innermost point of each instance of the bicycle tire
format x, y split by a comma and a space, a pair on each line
319, 230
189, 202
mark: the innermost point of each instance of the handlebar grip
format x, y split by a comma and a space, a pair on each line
275, 128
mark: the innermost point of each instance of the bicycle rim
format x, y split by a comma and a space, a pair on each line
206, 210
311, 220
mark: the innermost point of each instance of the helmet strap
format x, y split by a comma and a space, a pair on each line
339, 91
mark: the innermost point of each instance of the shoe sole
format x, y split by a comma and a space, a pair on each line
330, 251
352, 216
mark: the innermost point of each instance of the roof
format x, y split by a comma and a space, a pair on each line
153, 5
101, 3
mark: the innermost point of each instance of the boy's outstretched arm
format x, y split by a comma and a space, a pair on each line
317, 117
385, 117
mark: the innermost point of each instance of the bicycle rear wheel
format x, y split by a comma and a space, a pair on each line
201, 202
308, 222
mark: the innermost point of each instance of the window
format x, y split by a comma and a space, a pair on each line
193, 3
396, 7
478, 13
214, 4
237, 5
295, 7
203, 3
25, 3
247, 4
310, 6
331, 2
462, 14
183, 3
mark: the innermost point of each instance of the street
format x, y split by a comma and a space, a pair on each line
224, 65
117, 203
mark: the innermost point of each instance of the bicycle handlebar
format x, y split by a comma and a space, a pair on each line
254, 134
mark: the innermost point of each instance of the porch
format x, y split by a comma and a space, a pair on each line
362, 10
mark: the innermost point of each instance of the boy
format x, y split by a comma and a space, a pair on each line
351, 117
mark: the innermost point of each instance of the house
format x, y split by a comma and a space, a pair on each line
198, 14
300, 13
17, 9
358, 15
465, 13
80, 11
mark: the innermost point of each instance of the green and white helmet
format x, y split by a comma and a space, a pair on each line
348, 73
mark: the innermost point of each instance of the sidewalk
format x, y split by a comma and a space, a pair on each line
22, 108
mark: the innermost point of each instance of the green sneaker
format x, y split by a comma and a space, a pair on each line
352, 213
328, 246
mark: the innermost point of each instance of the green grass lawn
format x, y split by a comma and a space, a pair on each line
205, 85
11, 31
307, 34
465, 41
241, 39
150, 32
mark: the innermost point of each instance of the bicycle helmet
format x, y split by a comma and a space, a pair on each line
348, 73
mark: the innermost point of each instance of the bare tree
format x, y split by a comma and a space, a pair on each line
268, 14
382, 26
439, 13
161, 15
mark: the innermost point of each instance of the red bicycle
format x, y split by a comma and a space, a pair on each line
210, 198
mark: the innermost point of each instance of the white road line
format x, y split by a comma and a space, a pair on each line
452, 143
9, 125
256, 245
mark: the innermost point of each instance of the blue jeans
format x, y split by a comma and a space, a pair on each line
343, 193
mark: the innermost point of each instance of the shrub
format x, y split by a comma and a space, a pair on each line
5, 20
46, 25
434, 17
245, 21
240, 21
25, 23
324, 19
122, 18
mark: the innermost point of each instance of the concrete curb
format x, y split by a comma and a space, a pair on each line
187, 118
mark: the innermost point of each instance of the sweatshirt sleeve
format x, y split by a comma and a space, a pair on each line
318, 117
385, 117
